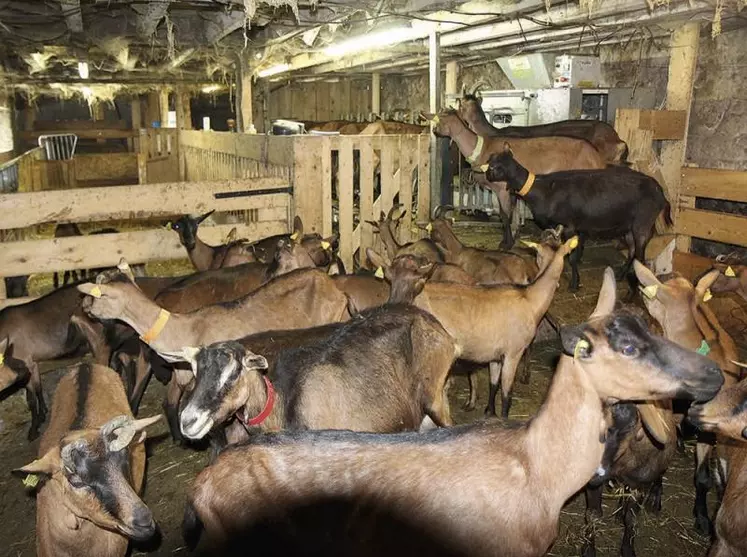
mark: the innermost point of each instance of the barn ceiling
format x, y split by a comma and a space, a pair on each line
198, 41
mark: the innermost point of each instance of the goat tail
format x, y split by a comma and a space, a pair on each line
624, 151
191, 526
668, 214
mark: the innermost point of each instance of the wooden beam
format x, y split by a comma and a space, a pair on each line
683, 58
163, 104
135, 202
183, 108
135, 112
730, 185
82, 134
452, 75
376, 93
246, 114
714, 226
153, 110
105, 250
665, 124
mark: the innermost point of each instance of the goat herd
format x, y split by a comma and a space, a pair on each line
324, 395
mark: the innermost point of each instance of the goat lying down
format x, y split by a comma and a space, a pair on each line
92, 461
382, 371
474, 490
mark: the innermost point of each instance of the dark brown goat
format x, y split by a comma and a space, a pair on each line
66, 230
478, 490
386, 226
93, 460
600, 134
613, 202
385, 370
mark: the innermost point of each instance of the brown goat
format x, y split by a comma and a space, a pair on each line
478, 490
726, 416
92, 460
385, 370
490, 323
541, 155
600, 134
678, 307
733, 278
386, 226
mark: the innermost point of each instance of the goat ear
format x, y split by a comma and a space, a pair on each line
333, 241
645, 276
232, 235
506, 147
376, 259
95, 290
125, 269
575, 342
254, 361
4, 345
654, 422
298, 227
607, 295
46, 465
705, 283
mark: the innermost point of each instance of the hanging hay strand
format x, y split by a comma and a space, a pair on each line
716, 25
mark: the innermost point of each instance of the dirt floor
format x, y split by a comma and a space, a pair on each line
171, 469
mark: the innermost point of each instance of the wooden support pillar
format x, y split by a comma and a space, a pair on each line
163, 102
153, 111
376, 93
137, 122
244, 112
683, 59
6, 126
183, 109
434, 104
452, 74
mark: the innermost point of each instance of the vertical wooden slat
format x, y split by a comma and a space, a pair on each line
388, 147
326, 187
407, 158
424, 181
366, 198
345, 198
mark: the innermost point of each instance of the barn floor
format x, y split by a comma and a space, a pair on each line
171, 469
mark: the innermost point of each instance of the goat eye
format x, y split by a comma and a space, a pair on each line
630, 351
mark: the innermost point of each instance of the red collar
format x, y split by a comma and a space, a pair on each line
263, 415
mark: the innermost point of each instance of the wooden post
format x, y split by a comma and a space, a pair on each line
452, 73
163, 102
137, 122
434, 67
153, 111
183, 109
307, 182
376, 93
245, 116
683, 59
6, 126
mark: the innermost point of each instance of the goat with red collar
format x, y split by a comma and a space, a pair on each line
613, 202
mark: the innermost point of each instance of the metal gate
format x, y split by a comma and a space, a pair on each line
58, 146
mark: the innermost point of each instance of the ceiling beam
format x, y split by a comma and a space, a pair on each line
220, 24
150, 15
73, 15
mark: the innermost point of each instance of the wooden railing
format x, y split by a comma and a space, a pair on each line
158, 155
728, 185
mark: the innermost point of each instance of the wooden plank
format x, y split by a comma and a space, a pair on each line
390, 146
376, 93
307, 182
665, 124
716, 184
326, 154
424, 182
407, 157
136, 202
366, 200
82, 134
106, 166
267, 149
345, 199
714, 226
105, 250
689, 265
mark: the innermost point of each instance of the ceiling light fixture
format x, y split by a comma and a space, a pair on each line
373, 40
83, 70
272, 70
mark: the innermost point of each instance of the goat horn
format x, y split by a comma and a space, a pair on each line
391, 212
477, 86
118, 432
206, 215
740, 364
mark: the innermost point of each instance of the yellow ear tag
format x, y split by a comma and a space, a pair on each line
573, 243
650, 291
435, 119
294, 236
527, 243
379, 273
429, 227
31, 481
168, 226
325, 245
707, 296
484, 168
96, 292
2, 359
453, 220
730, 272
580, 345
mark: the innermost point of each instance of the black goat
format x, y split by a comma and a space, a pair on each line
614, 202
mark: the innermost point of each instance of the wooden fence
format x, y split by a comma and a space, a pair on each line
728, 185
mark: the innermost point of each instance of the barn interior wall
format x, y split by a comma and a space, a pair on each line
317, 101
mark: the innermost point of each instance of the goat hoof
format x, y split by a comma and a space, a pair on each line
490, 412
573, 288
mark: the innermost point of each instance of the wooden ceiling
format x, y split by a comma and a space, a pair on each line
199, 41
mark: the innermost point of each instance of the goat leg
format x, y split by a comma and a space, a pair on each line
593, 495
574, 259
526, 376
171, 409
652, 503
495, 375
508, 374
35, 400
56, 280
506, 204
142, 378
703, 482
472, 380
629, 509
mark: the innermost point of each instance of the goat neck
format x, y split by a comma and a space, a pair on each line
476, 119
466, 141
571, 416
447, 238
541, 292
257, 399
201, 255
